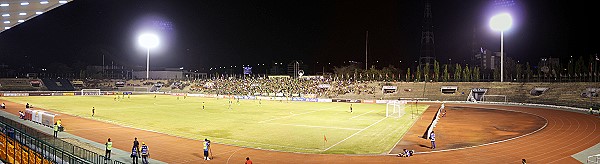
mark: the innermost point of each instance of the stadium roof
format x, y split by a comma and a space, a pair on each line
15, 12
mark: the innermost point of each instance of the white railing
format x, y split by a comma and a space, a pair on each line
593, 159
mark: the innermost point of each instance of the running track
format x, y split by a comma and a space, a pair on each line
567, 133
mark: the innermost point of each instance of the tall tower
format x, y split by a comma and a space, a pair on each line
427, 37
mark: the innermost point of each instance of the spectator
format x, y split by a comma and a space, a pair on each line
248, 161
145, 153
108, 145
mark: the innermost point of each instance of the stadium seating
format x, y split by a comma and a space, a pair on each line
58, 84
16, 84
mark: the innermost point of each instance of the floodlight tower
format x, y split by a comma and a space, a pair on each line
148, 41
501, 22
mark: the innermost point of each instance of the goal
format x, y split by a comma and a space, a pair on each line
141, 89
494, 98
90, 92
395, 109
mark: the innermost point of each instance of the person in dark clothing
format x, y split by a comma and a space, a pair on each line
136, 145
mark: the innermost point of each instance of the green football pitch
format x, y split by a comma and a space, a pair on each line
271, 125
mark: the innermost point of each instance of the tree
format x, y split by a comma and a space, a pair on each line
426, 72
519, 72
496, 73
418, 73
457, 72
436, 70
408, 78
580, 67
476, 74
446, 74
528, 72
466, 74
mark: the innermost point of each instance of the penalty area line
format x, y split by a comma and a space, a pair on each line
279, 118
361, 114
354, 134
313, 126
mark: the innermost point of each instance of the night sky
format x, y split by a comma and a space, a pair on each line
202, 34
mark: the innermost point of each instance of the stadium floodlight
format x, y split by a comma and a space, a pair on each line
4, 5
501, 22
148, 41
24, 3
22, 13
43, 2
62, 1
21, 21
38, 12
5, 15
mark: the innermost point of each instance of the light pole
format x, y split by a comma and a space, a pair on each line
501, 22
148, 41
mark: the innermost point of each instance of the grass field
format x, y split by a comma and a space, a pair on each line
281, 126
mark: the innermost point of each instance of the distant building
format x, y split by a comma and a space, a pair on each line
487, 60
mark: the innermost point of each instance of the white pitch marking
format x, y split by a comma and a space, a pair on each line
354, 134
361, 114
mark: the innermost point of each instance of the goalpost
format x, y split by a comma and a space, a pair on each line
395, 109
141, 89
90, 92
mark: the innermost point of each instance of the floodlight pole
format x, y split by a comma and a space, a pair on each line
148, 64
502, 56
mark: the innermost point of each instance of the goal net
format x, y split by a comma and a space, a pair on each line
494, 98
90, 92
395, 109
141, 89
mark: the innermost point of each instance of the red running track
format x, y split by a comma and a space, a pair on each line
566, 133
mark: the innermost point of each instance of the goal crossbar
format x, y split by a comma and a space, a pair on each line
90, 92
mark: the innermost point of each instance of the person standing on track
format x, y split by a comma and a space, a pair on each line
93, 111
203, 105
248, 161
145, 153
432, 138
134, 155
108, 149
350, 108
136, 145
206, 148
55, 130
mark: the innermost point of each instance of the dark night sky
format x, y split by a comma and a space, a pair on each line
202, 34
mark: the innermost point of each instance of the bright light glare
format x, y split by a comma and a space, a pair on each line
148, 40
21, 21
62, 1
39, 12
5, 15
24, 3
44, 2
4, 4
6, 22
6, 28
501, 22
22, 13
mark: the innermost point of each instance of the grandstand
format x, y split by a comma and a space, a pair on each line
58, 84
18, 84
